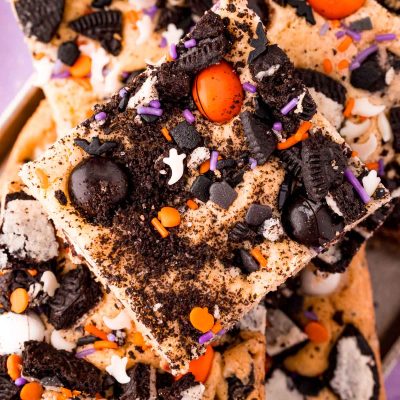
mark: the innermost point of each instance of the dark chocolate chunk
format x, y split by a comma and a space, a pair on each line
186, 136
291, 159
8, 389
360, 25
174, 391
101, 26
61, 197
206, 53
96, 186
348, 202
324, 84
101, 3
323, 166
201, 188
261, 8
139, 386
95, 148
209, 26
40, 18
259, 45
353, 353
303, 9
240, 232
310, 223
238, 390
77, 294
394, 119
41, 360
257, 214
248, 264
222, 194
260, 137
68, 53
370, 75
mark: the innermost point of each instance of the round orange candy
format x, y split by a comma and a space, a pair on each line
32, 391
218, 93
169, 217
336, 9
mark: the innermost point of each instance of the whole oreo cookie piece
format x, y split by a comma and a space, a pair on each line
40, 18
323, 165
310, 223
96, 186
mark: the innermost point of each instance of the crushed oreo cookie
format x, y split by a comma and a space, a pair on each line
61, 197
240, 390
370, 75
101, 3
8, 389
259, 45
186, 136
303, 9
95, 147
68, 53
139, 385
394, 119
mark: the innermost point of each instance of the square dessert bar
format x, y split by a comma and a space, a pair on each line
204, 184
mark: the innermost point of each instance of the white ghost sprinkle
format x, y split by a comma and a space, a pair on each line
371, 182
117, 369
175, 162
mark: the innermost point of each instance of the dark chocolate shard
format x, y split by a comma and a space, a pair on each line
77, 294
186, 136
95, 147
285, 191
40, 18
41, 360
259, 45
101, 26
323, 83
222, 194
370, 75
260, 137
394, 119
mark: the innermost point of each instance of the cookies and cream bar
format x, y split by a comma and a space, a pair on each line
321, 337
214, 182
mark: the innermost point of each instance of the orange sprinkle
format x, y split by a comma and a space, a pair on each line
372, 165
105, 344
93, 330
335, 23
201, 319
161, 230
66, 392
19, 300
316, 332
32, 391
14, 366
82, 67
169, 217
354, 154
349, 107
216, 328
345, 44
256, 253
327, 65
297, 137
166, 134
138, 339
192, 204
343, 64
32, 272
205, 167
132, 17
201, 367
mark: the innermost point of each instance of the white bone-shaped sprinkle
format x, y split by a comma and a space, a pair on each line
365, 108
117, 369
50, 283
175, 162
121, 321
371, 182
60, 343
384, 127
364, 150
351, 131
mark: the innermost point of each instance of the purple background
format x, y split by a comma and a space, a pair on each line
15, 69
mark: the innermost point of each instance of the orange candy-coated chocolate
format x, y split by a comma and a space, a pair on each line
336, 9
201, 367
32, 391
218, 93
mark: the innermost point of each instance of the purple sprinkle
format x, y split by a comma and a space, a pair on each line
84, 353
155, 104
173, 52
61, 75
289, 106
357, 186
101, 116
363, 55
20, 381
340, 34
381, 167
163, 42
125, 74
253, 163
111, 337
324, 29
311, 315
190, 43
206, 337
385, 36
149, 111
213, 160
277, 126
123, 92
221, 332
248, 87
151, 11
354, 35
189, 116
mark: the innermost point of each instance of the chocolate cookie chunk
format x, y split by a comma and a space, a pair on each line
370, 75
139, 386
291, 159
101, 26
77, 294
41, 360
237, 389
209, 26
68, 53
8, 389
177, 388
394, 119
40, 18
